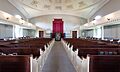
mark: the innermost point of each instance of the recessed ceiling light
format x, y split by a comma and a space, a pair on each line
98, 17
18, 16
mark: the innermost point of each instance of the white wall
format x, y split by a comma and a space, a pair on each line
112, 6
18, 31
112, 31
6, 6
70, 22
94, 32
6, 31
88, 33
97, 32
29, 32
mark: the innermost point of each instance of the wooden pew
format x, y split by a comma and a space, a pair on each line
104, 55
83, 52
24, 46
26, 43
84, 43
104, 63
75, 47
39, 46
14, 63
21, 51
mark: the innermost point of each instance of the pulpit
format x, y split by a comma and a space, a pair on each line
57, 36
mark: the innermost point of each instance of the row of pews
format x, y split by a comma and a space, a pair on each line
93, 55
108, 40
23, 55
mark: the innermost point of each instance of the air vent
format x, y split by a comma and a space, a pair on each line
81, 4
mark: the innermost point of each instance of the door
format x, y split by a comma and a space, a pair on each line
74, 34
41, 34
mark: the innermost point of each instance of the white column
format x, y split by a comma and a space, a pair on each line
18, 31
102, 32
94, 32
13, 31
80, 33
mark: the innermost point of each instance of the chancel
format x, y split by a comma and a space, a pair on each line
59, 35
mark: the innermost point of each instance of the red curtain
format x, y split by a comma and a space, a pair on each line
57, 26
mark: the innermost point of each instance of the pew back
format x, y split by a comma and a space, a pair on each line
14, 63
104, 63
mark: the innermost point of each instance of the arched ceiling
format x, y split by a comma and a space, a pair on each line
59, 5
81, 8
70, 22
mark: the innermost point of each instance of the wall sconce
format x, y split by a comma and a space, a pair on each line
98, 17
94, 21
18, 16
85, 24
21, 21
7, 18
108, 19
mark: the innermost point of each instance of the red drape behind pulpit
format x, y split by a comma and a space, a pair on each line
57, 26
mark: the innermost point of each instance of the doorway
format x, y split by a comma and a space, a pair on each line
41, 34
74, 34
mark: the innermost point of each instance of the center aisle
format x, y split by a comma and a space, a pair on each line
58, 60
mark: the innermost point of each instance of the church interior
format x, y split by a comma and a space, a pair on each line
59, 35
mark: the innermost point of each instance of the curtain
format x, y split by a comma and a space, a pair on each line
57, 26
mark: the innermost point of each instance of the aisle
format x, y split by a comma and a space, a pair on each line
58, 60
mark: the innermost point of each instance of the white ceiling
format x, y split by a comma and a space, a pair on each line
81, 8
73, 12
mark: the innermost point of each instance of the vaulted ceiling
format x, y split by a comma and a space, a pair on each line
80, 8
